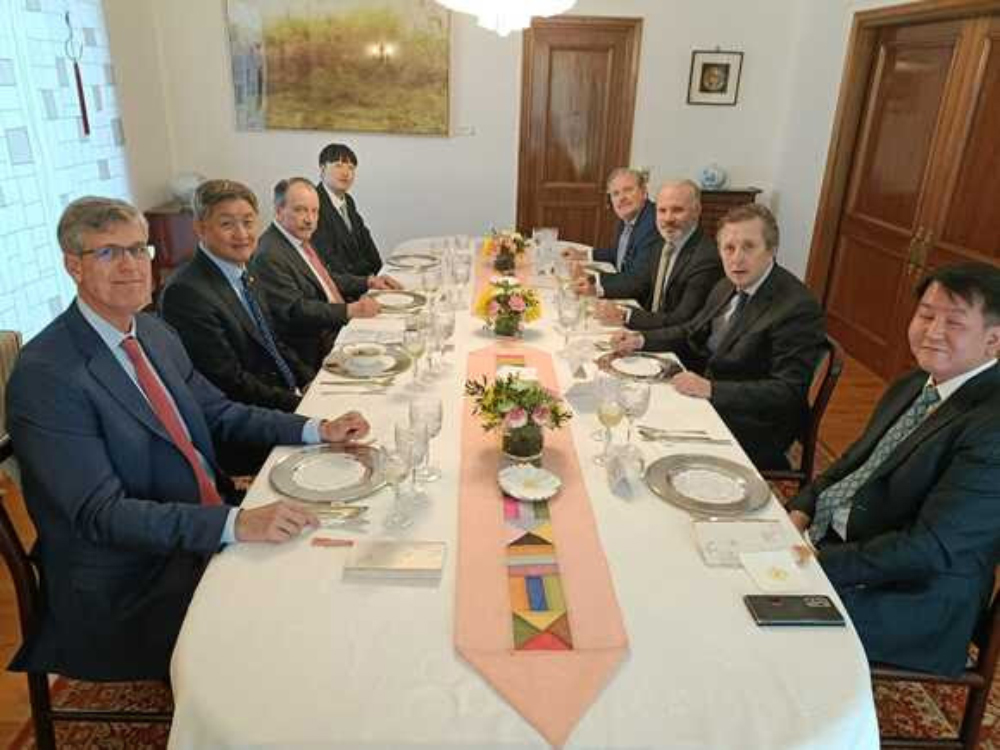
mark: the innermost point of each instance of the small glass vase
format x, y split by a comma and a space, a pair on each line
507, 326
504, 262
523, 444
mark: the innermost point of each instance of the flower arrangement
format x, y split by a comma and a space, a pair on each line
506, 306
521, 408
504, 247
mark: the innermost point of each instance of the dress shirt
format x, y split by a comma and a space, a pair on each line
947, 388
297, 244
671, 264
339, 203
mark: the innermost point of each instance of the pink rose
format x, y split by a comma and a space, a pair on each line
541, 416
516, 303
516, 417
493, 309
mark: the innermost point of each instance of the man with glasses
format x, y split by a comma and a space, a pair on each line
114, 432
342, 239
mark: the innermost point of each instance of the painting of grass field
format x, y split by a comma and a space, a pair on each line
348, 65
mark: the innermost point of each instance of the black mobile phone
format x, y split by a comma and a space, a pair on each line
799, 609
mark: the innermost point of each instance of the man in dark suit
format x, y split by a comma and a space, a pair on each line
221, 317
635, 233
680, 272
342, 239
113, 430
907, 521
309, 304
753, 347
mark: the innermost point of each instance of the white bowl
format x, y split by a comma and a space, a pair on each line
364, 357
527, 482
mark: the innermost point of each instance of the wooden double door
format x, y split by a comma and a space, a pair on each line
923, 188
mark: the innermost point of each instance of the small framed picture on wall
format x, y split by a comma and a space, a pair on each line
715, 77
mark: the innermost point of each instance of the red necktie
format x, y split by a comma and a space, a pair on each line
332, 293
167, 413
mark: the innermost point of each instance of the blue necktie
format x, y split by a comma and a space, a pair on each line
622, 260
265, 332
839, 496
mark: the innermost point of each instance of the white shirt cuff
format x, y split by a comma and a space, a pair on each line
229, 530
310, 432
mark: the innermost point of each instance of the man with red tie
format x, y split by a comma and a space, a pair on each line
115, 431
309, 304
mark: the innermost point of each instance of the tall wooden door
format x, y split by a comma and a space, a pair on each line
577, 105
924, 186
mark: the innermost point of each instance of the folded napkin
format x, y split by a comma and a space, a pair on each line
624, 467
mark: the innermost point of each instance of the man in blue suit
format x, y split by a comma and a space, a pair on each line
114, 428
636, 235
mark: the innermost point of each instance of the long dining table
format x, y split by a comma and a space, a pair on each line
280, 650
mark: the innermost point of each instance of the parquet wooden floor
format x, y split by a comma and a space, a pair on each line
846, 415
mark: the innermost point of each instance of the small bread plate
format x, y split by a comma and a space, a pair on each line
528, 483
398, 301
707, 485
329, 473
413, 261
639, 366
366, 360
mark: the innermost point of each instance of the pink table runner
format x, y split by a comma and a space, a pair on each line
551, 689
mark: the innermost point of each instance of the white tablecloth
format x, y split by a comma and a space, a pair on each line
277, 651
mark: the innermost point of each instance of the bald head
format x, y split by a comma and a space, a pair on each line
678, 209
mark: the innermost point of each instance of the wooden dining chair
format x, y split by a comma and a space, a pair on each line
28, 593
977, 679
824, 382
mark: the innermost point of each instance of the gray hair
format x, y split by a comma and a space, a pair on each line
94, 214
641, 176
283, 186
689, 184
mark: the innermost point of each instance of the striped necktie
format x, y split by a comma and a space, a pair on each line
170, 418
265, 332
839, 496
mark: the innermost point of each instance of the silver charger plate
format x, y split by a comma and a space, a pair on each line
666, 368
413, 261
401, 363
707, 485
329, 473
392, 300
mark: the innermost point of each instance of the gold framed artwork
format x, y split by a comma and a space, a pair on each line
340, 65
715, 77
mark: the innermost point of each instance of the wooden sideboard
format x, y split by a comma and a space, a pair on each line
171, 232
716, 203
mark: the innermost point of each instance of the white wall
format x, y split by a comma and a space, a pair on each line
411, 186
177, 104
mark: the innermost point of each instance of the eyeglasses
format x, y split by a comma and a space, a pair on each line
115, 253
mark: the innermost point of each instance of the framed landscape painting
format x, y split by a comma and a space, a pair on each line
344, 65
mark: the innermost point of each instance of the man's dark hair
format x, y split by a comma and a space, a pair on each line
281, 189
213, 192
974, 283
335, 152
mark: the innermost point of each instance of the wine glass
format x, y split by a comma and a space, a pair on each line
609, 413
415, 341
431, 281
634, 399
462, 268
428, 412
395, 466
569, 309
444, 326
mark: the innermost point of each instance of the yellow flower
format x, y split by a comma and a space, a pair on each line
487, 247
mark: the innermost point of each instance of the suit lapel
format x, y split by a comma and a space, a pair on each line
683, 258
756, 306
297, 262
966, 398
110, 374
221, 287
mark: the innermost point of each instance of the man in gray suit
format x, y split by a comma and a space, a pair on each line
114, 430
309, 304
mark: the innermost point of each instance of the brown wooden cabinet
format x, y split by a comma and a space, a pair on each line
171, 232
717, 203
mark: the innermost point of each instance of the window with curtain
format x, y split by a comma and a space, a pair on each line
46, 157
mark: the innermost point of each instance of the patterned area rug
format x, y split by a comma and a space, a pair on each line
125, 696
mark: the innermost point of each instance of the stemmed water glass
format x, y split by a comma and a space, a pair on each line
609, 413
634, 399
395, 466
413, 437
570, 308
427, 412
430, 279
444, 327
